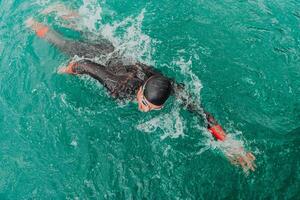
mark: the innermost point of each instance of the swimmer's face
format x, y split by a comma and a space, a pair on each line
144, 104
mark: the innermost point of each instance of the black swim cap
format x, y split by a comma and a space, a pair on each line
157, 90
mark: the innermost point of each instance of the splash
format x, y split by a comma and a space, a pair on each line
74, 142
171, 124
129, 40
91, 14
231, 146
130, 43
191, 81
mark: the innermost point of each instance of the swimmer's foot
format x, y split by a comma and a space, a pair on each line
40, 29
68, 69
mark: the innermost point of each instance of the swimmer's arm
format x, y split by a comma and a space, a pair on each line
187, 101
194, 107
94, 70
237, 156
242, 157
90, 68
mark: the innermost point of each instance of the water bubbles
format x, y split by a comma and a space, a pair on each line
126, 35
91, 14
192, 82
74, 143
128, 38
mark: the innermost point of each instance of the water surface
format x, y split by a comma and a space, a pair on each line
62, 137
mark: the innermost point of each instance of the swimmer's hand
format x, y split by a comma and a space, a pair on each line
236, 154
242, 158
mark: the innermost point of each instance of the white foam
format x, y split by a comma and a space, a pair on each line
232, 146
42, 3
130, 43
90, 12
74, 143
171, 124
192, 82
128, 38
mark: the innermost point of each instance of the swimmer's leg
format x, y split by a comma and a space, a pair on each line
96, 71
69, 47
45, 32
72, 17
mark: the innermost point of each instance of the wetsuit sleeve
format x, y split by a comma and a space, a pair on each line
186, 99
191, 105
96, 71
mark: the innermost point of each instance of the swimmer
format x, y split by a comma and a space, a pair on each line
137, 81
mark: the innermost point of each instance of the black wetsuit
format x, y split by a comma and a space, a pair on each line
122, 81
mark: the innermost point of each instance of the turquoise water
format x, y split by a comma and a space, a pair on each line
62, 137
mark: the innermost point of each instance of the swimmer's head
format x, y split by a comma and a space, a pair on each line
154, 93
